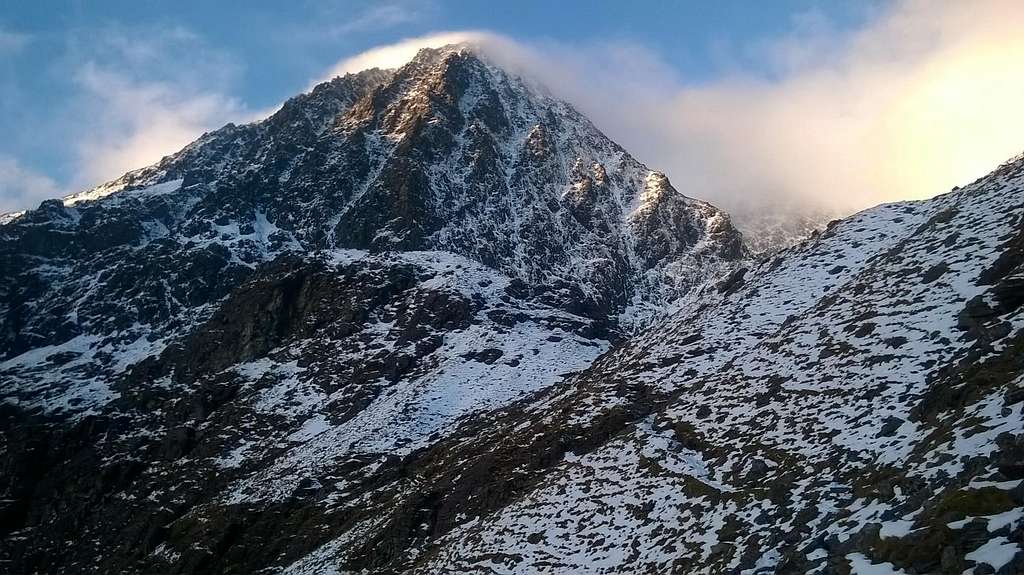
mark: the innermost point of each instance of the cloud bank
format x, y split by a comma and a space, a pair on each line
926, 96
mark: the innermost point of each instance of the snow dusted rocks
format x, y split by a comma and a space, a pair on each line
342, 359
341, 284
387, 330
853, 405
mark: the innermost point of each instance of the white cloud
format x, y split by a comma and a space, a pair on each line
21, 187
380, 16
922, 99
136, 123
141, 94
136, 95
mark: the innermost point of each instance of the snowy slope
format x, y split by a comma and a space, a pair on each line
853, 405
846, 405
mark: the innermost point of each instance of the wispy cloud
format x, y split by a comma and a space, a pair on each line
134, 95
136, 123
142, 95
381, 16
12, 42
22, 188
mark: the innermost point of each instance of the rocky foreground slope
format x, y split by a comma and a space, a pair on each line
855, 404
384, 331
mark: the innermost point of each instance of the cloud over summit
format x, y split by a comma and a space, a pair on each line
924, 97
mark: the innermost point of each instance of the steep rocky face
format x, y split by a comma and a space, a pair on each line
490, 169
155, 246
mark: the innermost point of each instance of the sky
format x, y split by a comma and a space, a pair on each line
842, 104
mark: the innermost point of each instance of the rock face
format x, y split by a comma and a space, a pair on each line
382, 331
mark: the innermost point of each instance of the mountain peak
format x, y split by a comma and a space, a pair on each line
446, 153
465, 49
471, 163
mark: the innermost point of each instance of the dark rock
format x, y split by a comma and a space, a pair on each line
935, 272
889, 426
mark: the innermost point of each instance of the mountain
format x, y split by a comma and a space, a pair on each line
447, 154
855, 404
430, 320
344, 281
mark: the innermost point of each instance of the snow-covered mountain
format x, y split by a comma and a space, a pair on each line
404, 325
447, 154
385, 255
855, 404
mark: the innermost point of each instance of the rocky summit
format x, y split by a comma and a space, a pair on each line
431, 320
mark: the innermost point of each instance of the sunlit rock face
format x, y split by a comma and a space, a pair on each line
405, 325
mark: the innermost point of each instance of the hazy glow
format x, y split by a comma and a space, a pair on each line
961, 115
927, 98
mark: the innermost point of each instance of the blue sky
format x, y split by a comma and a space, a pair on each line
280, 46
91, 89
